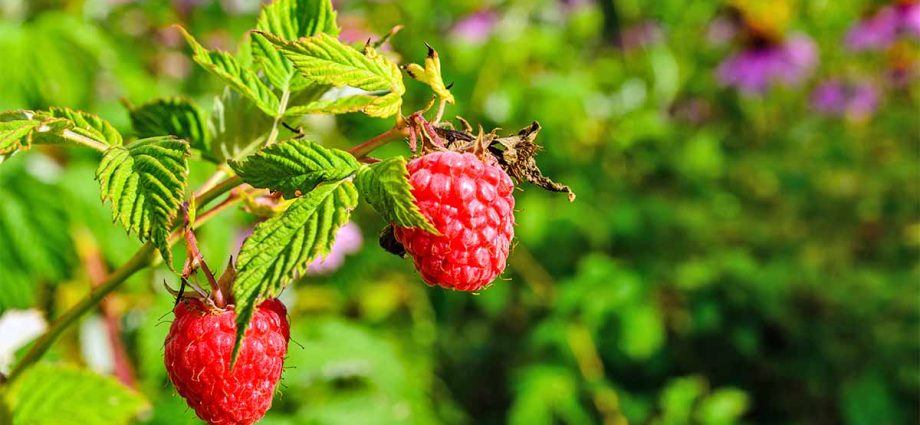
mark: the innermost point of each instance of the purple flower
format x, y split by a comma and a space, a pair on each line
863, 101
569, 6
881, 29
348, 240
475, 28
829, 97
857, 101
753, 70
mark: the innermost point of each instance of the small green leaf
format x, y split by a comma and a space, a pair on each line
63, 395
385, 185
145, 182
20, 129
431, 75
14, 135
324, 59
294, 167
290, 20
226, 67
281, 247
342, 105
384, 106
89, 125
174, 116
375, 106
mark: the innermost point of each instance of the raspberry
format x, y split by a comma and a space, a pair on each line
198, 350
470, 202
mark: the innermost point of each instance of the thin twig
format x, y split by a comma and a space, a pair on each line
97, 271
395, 133
441, 106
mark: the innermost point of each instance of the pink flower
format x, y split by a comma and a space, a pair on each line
883, 28
348, 240
475, 28
755, 69
857, 101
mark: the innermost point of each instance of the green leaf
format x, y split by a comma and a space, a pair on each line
342, 105
290, 20
294, 167
324, 59
385, 185
89, 125
174, 116
236, 126
19, 129
145, 182
375, 106
63, 395
226, 67
281, 247
14, 135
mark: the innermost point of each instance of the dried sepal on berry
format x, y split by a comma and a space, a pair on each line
515, 154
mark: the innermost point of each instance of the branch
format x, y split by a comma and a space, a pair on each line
140, 260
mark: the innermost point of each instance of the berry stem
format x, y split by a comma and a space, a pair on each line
191, 243
395, 133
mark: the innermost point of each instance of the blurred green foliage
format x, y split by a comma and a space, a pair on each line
729, 259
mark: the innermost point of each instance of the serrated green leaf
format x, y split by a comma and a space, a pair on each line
290, 20
384, 106
89, 125
14, 135
282, 246
341, 105
63, 395
324, 59
226, 67
375, 106
174, 116
431, 75
385, 185
145, 182
20, 129
294, 166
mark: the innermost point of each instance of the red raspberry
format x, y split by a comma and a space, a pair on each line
470, 202
198, 350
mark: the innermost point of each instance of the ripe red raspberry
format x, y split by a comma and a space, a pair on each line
198, 350
470, 202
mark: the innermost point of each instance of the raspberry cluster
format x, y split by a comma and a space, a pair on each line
470, 202
197, 356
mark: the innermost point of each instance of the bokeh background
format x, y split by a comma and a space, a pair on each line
743, 249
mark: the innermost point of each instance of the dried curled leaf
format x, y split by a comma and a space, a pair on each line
515, 154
